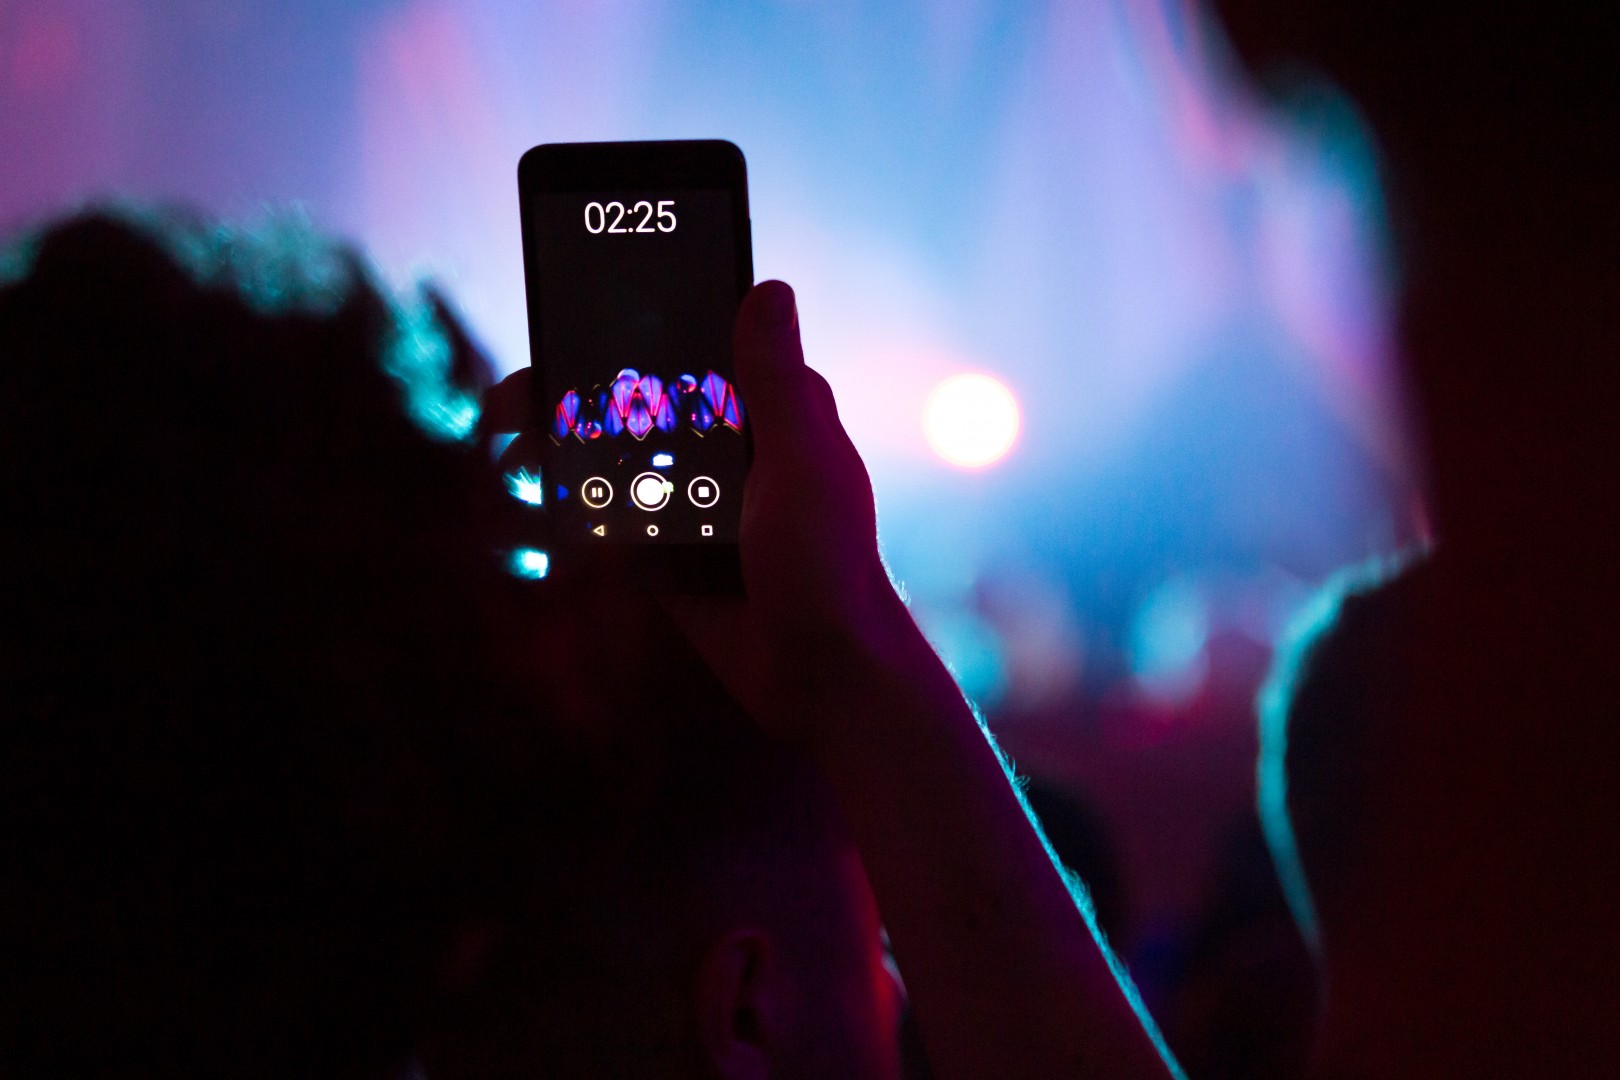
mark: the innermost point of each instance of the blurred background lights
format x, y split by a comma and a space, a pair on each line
971, 420
973, 652
1168, 638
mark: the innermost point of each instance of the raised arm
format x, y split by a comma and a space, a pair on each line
1006, 974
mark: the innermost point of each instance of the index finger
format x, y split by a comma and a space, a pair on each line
770, 363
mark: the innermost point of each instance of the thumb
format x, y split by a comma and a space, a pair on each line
770, 362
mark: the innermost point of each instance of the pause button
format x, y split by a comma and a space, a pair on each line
596, 492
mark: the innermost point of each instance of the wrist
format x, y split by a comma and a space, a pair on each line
851, 684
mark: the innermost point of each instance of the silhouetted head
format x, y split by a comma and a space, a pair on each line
1499, 158
1514, 79
246, 538
292, 770
694, 907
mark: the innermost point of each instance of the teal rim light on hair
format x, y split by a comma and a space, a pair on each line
1274, 705
279, 263
418, 356
17, 256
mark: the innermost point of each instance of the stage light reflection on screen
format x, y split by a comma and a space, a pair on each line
530, 563
525, 486
971, 420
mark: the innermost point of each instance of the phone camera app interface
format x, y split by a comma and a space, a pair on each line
638, 292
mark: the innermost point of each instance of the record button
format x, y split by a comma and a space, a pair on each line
650, 491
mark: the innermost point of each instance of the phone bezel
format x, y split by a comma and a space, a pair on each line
590, 167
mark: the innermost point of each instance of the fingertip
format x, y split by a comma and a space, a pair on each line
768, 317
769, 359
773, 300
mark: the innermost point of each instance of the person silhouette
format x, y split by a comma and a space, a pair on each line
297, 778
1459, 711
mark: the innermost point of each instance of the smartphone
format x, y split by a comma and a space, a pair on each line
636, 255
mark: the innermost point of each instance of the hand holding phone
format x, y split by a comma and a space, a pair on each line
819, 601
636, 256
1006, 974
822, 653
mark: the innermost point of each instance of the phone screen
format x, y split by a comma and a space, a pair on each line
633, 294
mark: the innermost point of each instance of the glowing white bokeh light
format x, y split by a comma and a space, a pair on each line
971, 420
